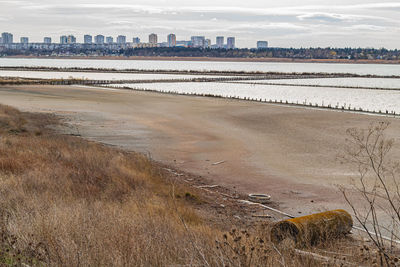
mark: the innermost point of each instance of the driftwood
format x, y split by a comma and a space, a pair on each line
266, 207
261, 216
207, 186
219, 162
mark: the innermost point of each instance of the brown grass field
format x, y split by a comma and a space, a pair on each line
65, 201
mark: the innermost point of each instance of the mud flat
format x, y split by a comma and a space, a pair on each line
287, 152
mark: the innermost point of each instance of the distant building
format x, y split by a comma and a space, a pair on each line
144, 45
121, 39
183, 43
6, 38
24, 40
47, 40
198, 41
63, 39
171, 40
87, 39
71, 39
153, 38
230, 43
262, 45
136, 40
109, 40
99, 39
208, 43
220, 41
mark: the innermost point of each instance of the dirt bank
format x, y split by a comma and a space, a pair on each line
284, 151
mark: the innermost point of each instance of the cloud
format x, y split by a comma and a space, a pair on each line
271, 26
384, 5
364, 27
329, 17
302, 23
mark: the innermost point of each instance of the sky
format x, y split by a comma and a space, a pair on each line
283, 23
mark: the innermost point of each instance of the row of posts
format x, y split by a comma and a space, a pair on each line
305, 103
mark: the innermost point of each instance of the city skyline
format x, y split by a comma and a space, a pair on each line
283, 24
7, 39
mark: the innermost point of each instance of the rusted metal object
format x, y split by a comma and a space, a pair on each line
311, 229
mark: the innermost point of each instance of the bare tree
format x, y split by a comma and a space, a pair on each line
376, 204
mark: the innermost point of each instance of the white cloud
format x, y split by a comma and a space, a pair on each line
365, 27
330, 17
312, 23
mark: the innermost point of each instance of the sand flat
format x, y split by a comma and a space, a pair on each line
287, 152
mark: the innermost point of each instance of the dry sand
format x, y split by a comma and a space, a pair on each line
287, 152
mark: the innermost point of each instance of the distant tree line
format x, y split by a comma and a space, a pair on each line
295, 53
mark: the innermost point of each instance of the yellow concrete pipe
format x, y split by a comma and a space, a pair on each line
313, 228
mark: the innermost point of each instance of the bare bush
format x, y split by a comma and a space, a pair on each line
376, 202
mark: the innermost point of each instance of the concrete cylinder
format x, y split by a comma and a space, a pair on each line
311, 229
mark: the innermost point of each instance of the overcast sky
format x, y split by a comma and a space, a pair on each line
284, 23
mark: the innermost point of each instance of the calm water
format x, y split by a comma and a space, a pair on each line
374, 69
356, 98
365, 99
353, 82
97, 76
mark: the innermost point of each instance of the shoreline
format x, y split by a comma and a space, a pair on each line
214, 59
339, 108
288, 152
129, 189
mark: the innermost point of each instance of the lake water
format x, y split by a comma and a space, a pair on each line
363, 69
352, 82
97, 76
302, 92
373, 100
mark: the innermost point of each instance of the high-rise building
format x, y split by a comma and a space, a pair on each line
198, 41
47, 40
262, 45
230, 43
63, 39
7, 38
136, 40
220, 41
208, 43
121, 39
171, 40
109, 40
99, 39
87, 39
71, 39
24, 40
153, 38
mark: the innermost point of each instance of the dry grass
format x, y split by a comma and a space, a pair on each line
86, 203
65, 201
